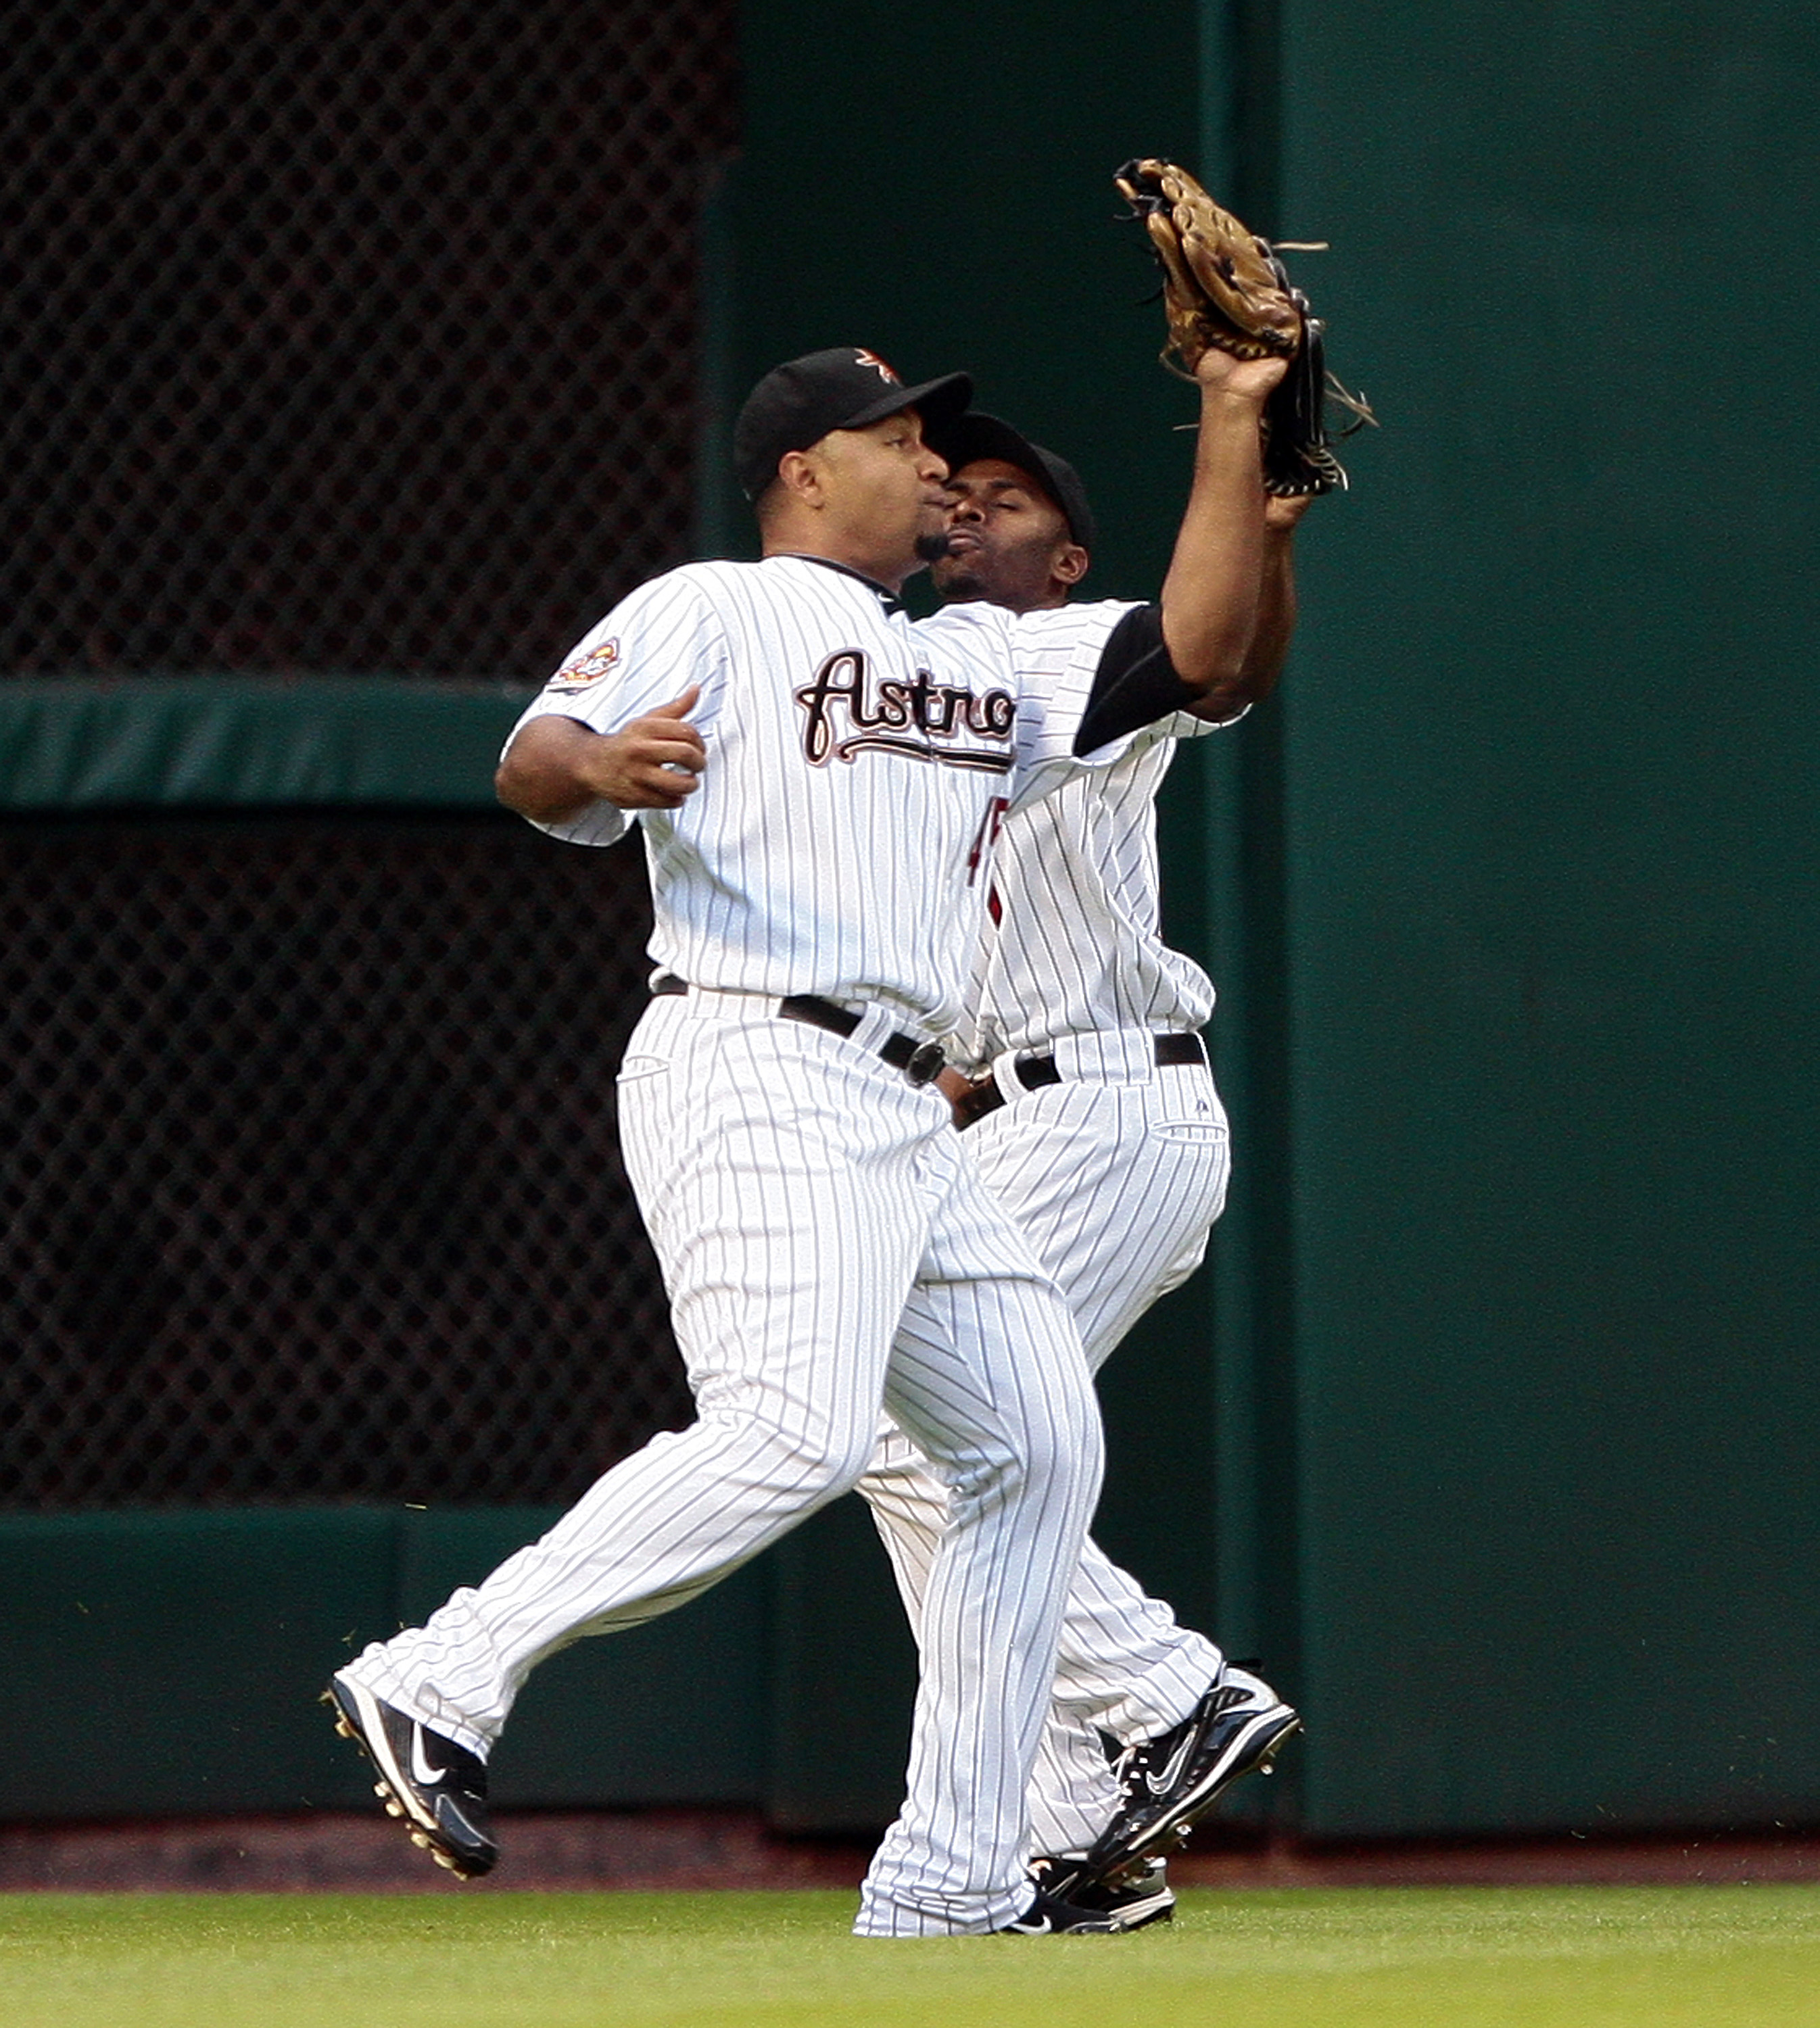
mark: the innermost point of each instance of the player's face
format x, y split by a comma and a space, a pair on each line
1008, 542
883, 486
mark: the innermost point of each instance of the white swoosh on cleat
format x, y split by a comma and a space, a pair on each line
421, 1771
1161, 1783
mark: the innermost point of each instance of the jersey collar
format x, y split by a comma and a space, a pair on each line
886, 598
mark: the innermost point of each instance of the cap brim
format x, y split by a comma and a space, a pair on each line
976, 434
963, 437
936, 401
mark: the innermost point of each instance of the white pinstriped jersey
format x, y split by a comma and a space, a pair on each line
1072, 945
858, 763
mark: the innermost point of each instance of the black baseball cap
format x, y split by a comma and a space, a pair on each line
844, 388
976, 434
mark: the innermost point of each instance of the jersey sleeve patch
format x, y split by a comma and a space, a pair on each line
590, 669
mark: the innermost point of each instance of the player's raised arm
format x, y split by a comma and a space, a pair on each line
1211, 596
1199, 650
1241, 328
556, 766
1276, 620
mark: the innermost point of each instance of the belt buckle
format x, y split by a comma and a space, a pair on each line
927, 1063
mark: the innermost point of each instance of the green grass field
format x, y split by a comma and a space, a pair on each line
1594, 1957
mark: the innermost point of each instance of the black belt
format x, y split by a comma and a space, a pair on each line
1033, 1072
920, 1062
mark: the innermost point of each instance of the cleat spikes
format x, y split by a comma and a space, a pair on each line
434, 1787
1171, 1780
1137, 1897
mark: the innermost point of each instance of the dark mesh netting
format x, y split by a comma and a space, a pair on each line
309, 1184
352, 337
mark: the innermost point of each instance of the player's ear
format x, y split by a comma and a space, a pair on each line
1069, 565
800, 475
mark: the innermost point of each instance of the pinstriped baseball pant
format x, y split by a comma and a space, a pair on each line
829, 1252
1116, 1183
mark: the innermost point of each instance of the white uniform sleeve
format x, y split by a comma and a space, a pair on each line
1184, 725
1055, 653
1066, 703
648, 650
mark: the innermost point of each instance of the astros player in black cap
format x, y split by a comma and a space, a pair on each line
1082, 1084
817, 779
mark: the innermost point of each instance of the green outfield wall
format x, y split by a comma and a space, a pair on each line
1491, 1427
173, 1663
223, 742
1550, 970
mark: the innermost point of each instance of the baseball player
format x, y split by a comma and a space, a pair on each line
819, 779
1087, 1097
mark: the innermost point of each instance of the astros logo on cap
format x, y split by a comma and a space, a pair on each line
885, 372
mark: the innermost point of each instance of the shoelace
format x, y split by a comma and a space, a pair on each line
1131, 1763
1134, 1762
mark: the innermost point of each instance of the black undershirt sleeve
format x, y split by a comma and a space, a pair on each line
1135, 683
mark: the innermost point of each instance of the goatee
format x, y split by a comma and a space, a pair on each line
957, 587
932, 549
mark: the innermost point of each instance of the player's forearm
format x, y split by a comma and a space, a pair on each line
1276, 617
540, 776
1211, 597
556, 766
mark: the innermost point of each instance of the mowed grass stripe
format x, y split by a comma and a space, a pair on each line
1593, 1957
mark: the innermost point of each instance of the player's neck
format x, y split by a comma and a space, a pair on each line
888, 574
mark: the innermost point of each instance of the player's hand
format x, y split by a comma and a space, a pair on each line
1282, 515
653, 764
953, 1085
1246, 380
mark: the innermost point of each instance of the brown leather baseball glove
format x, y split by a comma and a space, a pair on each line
1224, 287
1219, 289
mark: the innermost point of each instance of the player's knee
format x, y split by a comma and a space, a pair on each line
828, 1462
1062, 1444
1052, 1454
1071, 1451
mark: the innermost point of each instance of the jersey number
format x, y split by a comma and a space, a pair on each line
986, 837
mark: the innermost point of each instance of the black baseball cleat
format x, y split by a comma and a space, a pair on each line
1171, 1782
438, 1788
1048, 1917
1138, 1895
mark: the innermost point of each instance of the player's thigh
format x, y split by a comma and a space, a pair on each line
1190, 1143
1115, 1186
987, 1360
783, 1199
